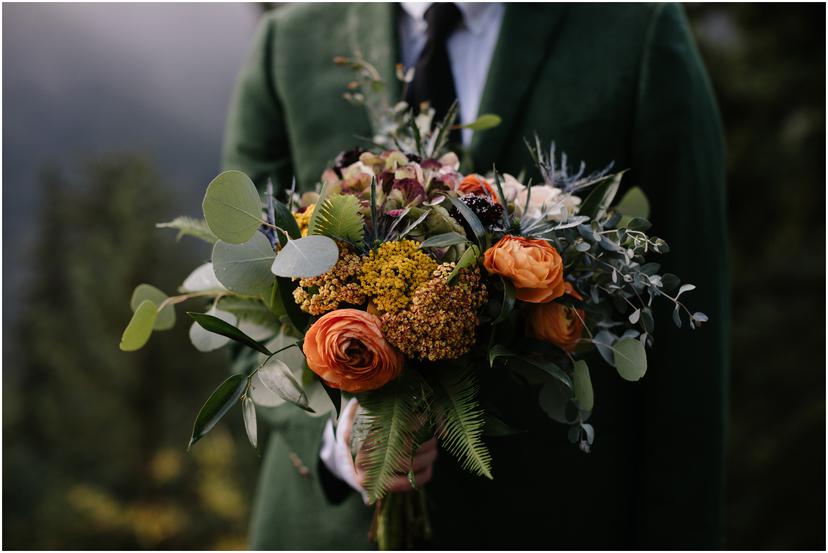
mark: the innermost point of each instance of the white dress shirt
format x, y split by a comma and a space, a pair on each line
470, 50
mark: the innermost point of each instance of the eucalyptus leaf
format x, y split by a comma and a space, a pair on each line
165, 319
277, 377
139, 329
630, 359
232, 207
249, 412
554, 399
583, 385
685, 288
217, 405
218, 326
670, 282
634, 204
202, 279
306, 257
245, 268
634, 316
603, 341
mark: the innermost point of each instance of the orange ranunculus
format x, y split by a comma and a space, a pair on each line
557, 323
347, 350
477, 185
533, 266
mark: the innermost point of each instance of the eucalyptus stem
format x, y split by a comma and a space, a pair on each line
173, 300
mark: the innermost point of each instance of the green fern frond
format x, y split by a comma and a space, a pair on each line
338, 217
187, 226
392, 413
460, 421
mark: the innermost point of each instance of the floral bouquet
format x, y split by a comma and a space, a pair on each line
416, 288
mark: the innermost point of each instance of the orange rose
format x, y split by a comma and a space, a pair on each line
557, 323
347, 350
533, 266
477, 185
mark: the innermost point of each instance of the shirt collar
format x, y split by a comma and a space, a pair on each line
476, 16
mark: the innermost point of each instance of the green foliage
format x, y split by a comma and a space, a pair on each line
392, 412
232, 207
306, 257
250, 310
634, 204
339, 218
484, 122
217, 405
460, 420
218, 326
444, 240
188, 226
630, 358
139, 329
582, 385
278, 378
245, 268
597, 202
165, 319
469, 258
471, 219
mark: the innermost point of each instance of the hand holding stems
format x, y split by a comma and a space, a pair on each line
422, 463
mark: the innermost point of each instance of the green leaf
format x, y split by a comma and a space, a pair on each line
634, 204
250, 310
188, 226
139, 329
338, 217
232, 207
334, 394
285, 221
298, 318
596, 203
508, 302
497, 351
276, 376
460, 420
202, 279
474, 223
165, 320
583, 385
555, 400
205, 341
630, 359
483, 122
468, 258
249, 411
217, 405
216, 325
393, 420
444, 240
306, 257
245, 268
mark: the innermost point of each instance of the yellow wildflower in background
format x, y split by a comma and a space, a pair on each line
303, 219
393, 272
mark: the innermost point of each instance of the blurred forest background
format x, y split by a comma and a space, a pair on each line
107, 132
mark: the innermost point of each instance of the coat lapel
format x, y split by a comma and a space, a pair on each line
373, 32
526, 38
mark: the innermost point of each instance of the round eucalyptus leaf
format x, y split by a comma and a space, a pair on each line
582, 384
165, 320
630, 359
202, 279
306, 257
232, 207
245, 268
206, 341
553, 399
139, 329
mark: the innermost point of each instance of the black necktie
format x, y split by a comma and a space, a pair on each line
433, 81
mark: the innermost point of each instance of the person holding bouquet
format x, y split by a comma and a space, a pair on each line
615, 83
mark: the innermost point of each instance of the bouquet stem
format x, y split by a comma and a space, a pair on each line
401, 521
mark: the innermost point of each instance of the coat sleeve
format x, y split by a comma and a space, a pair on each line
256, 137
678, 159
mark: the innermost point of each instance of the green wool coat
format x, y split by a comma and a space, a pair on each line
620, 83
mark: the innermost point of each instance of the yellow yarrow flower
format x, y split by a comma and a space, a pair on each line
391, 274
303, 219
